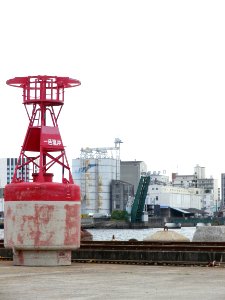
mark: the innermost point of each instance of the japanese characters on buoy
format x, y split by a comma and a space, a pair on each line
42, 217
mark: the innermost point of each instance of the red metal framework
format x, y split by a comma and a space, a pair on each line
43, 98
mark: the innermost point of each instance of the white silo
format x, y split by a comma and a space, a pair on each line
93, 172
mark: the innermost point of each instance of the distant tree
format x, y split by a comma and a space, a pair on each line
120, 215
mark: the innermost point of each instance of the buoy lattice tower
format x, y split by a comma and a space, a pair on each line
42, 217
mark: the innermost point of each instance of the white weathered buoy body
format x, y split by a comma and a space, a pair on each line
42, 222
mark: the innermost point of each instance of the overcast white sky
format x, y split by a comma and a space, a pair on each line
152, 74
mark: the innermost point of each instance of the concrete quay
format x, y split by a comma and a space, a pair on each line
110, 281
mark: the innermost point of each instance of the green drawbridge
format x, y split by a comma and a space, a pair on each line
139, 200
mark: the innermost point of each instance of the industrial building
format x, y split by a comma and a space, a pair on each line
108, 184
210, 196
223, 190
177, 197
189, 180
131, 171
94, 177
122, 193
7, 168
94, 172
158, 177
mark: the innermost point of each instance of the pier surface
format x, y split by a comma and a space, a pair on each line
110, 281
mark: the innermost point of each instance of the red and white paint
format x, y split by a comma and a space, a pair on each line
42, 232
42, 218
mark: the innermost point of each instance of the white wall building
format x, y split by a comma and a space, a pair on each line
184, 180
158, 177
199, 172
176, 197
199, 180
208, 203
7, 168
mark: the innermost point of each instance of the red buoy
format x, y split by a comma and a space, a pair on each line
42, 217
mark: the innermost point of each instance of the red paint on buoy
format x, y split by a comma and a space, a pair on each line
42, 217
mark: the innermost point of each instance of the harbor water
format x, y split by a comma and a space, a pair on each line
127, 234
138, 234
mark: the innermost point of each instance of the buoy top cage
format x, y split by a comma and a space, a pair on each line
46, 89
42, 139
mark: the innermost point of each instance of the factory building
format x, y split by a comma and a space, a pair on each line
189, 180
158, 177
210, 197
185, 181
199, 172
94, 177
131, 171
94, 171
7, 168
122, 193
223, 189
177, 197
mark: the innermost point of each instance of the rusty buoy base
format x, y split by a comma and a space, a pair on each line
41, 258
42, 222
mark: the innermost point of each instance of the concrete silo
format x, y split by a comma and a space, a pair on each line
94, 172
